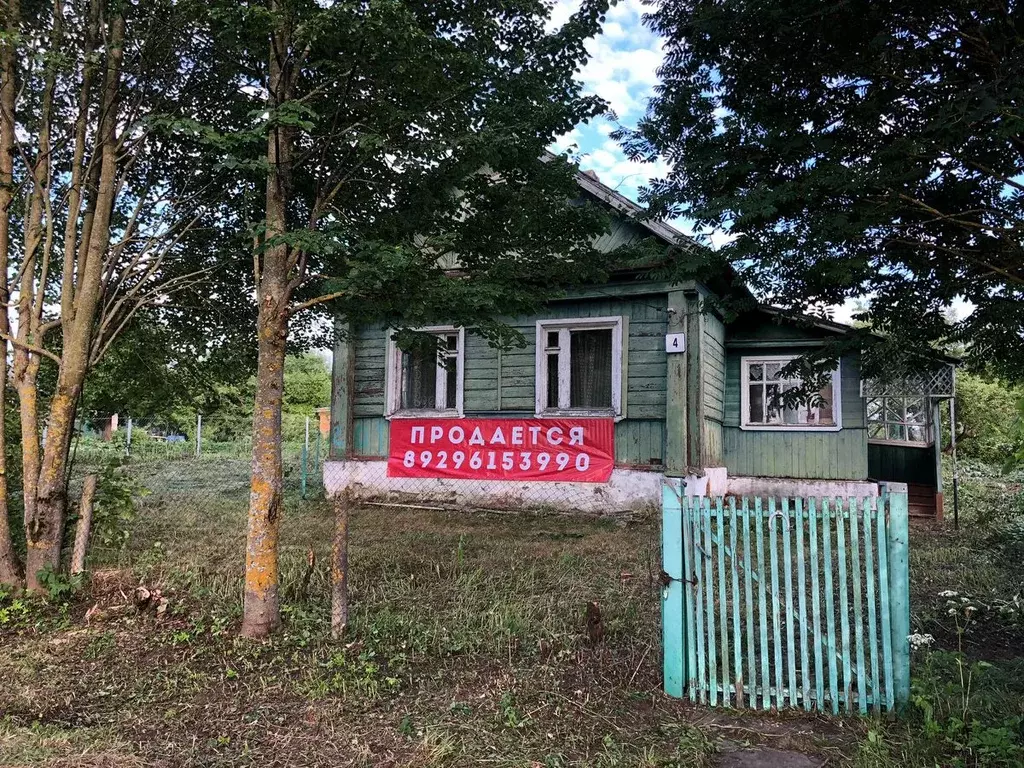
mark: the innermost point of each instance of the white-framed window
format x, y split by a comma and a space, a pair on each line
898, 420
765, 405
424, 382
579, 367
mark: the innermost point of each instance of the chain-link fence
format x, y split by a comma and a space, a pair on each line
180, 471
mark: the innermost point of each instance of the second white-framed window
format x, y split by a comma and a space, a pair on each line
579, 367
765, 405
427, 382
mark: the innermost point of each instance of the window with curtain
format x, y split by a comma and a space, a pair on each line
579, 366
427, 379
767, 406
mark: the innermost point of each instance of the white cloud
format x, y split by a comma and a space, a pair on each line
622, 69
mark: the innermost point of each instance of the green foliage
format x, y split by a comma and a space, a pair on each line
990, 420
115, 508
961, 713
853, 149
307, 384
442, 162
60, 587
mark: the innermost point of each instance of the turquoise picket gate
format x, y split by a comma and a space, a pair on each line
775, 603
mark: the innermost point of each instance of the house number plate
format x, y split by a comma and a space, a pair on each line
675, 342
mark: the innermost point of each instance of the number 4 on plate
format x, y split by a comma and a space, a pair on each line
675, 342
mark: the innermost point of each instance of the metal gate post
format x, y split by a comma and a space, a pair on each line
899, 589
672, 620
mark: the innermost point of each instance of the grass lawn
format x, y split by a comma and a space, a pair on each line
467, 647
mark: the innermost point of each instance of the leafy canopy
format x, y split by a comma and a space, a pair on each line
854, 149
419, 188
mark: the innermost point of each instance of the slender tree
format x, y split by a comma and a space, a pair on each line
398, 138
101, 233
10, 14
854, 149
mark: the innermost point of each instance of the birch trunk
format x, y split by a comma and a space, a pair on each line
261, 610
10, 567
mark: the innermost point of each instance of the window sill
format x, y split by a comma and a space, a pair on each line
793, 428
902, 443
580, 413
424, 414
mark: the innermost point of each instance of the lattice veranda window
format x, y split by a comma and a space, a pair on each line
898, 420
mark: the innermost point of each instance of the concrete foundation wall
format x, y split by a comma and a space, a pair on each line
628, 490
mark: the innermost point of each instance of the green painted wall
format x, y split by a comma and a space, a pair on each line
841, 455
713, 383
503, 383
902, 463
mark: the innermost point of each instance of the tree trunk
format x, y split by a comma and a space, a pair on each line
84, 526
45, 536
261, 610
339, 565
261, 613
10, 567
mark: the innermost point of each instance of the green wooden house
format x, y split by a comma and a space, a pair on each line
689, 395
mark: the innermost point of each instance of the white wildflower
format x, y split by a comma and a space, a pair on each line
918, 641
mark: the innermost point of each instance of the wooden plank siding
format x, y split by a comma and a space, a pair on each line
841, 455
503, 383
902, 464
713, 383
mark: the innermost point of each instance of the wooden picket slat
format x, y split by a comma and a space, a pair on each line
787, 558
698, 578
869, 570
801, 577
830, 607
737, 644
842, 556
748, 589
689, 603
819, 656
858, 607
773, 538
883, 591
723, 602
709, 595
762, 607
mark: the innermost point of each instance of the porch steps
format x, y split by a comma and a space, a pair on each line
922, 502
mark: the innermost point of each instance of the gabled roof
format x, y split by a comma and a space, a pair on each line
590, 183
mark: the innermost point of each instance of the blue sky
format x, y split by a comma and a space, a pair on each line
623, 71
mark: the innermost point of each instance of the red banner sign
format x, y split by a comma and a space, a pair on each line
561, 450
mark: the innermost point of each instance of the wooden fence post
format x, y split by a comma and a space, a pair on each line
672, 619
899, 590
84, 524
339, 564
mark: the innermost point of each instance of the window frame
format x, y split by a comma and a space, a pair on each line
745, 424
393, 387
929, 439
565, 326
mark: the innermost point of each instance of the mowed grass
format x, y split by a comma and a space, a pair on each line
467, 646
